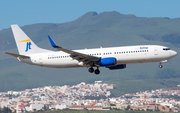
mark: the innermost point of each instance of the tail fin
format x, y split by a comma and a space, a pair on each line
24, 44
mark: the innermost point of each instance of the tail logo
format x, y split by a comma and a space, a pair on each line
28, 45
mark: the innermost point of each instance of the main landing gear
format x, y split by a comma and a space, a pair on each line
91, 70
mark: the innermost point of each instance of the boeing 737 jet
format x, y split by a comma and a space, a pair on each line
112, 57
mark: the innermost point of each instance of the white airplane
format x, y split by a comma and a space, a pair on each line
112, 57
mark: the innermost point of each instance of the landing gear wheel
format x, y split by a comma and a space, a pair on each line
160, 66
91, 70
97, 71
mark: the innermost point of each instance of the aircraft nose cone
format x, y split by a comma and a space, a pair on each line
173, 53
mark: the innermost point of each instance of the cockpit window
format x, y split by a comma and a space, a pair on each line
166, 49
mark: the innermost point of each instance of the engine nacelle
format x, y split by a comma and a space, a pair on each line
121, 66
110, 61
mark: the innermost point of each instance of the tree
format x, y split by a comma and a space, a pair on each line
42, 94
128, 107
45, 108
6, 110
34, 110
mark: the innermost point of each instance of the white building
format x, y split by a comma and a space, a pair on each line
4, 104
34, 107
61, 106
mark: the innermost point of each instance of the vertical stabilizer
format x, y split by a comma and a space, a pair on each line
24, 44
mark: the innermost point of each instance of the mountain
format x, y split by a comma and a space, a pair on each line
93, 30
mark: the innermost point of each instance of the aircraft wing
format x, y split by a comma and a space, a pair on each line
17, 55
76, 55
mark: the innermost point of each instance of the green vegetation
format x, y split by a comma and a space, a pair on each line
82, 111
90, 31
5, 110
132, 86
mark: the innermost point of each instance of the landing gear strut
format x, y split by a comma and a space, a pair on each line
160, 65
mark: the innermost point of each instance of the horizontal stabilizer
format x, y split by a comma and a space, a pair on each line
17, 55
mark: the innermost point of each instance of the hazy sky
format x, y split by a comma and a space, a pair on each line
25, 12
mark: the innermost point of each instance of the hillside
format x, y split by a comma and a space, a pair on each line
92, 30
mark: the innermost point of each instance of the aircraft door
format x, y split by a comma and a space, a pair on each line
155, 51
41, 59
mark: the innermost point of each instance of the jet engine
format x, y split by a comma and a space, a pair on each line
110, 61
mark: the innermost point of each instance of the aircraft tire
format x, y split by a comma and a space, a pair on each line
91, 70
160, 66
97, 71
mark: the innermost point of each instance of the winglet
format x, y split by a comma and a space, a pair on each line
52, 42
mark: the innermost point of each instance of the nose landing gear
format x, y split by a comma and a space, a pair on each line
160, 63
160, 66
